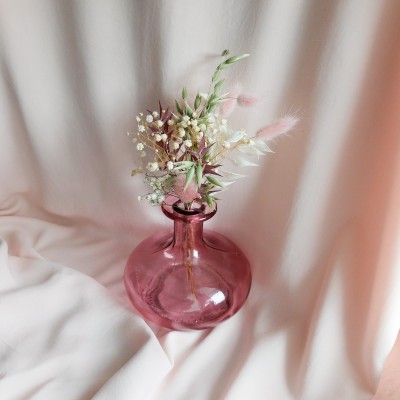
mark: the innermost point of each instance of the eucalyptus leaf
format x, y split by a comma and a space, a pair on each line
188, 110
197, 101
178, 107
214, 181
199, 174
228, 176
210, 201
262, 146
242, 162
250, 150
184, 93
189, 177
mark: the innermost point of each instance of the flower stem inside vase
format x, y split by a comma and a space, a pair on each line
188, 233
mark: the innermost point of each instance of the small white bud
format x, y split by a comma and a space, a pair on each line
155, 114
141, 128
164, 137
159, 123
152, 166
175, 146
188, 143
170, 165
140, 146
181, 132
149, 119
171, 122
157, 137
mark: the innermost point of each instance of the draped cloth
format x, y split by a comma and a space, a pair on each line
319, 218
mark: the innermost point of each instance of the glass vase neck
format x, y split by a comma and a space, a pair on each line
188, 224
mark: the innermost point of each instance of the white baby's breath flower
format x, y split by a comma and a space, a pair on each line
181, 132
202, 127
188, 143
155, 114
164, 137
198, 136
194, 122
175, 145
186, 118
149, 119
157, 137
153, 166
171, 122
138, 119
170, 165
141, 128
140, 146
159, 123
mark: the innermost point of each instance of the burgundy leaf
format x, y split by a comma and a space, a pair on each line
202, 145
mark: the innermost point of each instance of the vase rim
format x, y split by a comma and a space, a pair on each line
174, 211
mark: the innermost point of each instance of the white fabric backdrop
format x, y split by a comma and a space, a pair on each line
319, 219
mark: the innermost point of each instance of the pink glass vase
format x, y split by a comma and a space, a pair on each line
187, 278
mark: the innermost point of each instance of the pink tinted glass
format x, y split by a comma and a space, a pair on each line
185, 278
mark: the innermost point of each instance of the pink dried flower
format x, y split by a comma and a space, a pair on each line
229, 105
188, 195
247, 100
279, 127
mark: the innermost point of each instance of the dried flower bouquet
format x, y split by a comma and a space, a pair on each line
188, 145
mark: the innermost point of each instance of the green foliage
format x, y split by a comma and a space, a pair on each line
189, 176
213, 99
214, 181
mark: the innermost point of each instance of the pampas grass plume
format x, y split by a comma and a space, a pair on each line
246, 100
279, 127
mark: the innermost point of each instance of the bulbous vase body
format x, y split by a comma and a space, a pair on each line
187, 278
